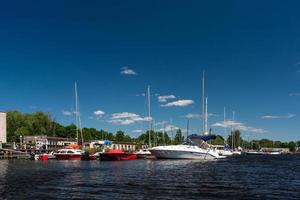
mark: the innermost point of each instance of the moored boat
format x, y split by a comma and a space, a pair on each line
143, 153
117, 155
68, 154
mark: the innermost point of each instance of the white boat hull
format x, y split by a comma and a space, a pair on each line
184, 152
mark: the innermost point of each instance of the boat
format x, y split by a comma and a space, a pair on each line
263, 153
117, 155
197, 149
68, 154
143, 153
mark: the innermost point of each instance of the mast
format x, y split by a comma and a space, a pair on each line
203, 93
149, 114
78, 119
232, 140
225, 122
164, 127
76, 112
187, 128
206, 117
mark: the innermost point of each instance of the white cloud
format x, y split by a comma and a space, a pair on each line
179, 103
164, 99
161, 123
126, 118
67, 113
127, 71
169, 128
137, 131
197, 116
239, 126
99, 113
288, 116
294, 94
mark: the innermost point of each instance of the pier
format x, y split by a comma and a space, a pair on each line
13, 154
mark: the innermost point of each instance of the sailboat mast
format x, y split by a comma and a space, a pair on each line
206, 117
203, 99
76, 112
233, 119
187, 128
149, 114
78, 119
225, 122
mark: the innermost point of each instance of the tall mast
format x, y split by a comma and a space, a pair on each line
76, 112
149, 114
206, 117
232, 140
225, 122
203, 99
78, 119
187, 128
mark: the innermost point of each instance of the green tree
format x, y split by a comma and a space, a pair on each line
218, 141
178, 137
237, 139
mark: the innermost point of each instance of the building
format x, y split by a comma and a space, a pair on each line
44, 142
2, 127
125, 146
106, 144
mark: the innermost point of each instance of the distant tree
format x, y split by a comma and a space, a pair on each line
292, 146
237, 139
120, 136
218, 141
178, 137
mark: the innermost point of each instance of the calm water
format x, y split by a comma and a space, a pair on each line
243, 177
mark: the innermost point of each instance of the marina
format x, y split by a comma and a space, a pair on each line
158, 100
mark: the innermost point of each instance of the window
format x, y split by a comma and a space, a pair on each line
70, 152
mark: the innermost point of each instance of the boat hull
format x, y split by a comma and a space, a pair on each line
68, 157
172, 154
117, 156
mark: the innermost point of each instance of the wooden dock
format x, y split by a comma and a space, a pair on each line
13, 154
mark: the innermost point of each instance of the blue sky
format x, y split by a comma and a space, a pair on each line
248, 49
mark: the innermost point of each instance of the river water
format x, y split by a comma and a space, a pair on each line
241, 177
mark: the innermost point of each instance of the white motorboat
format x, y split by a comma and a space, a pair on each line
143, 153
184, 152
196, 148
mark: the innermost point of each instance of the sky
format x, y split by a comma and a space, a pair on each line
249, 50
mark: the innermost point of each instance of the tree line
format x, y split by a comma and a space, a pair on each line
41, 123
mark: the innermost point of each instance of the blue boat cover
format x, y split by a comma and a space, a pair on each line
107, 142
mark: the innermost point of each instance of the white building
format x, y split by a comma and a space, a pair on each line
2, 127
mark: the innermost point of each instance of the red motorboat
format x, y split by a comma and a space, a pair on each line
117, 155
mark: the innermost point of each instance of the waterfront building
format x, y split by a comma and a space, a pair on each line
44, 142
105, 144
2, 128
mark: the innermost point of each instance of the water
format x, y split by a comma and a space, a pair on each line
242, 177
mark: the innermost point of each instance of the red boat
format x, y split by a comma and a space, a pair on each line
117, 155
68, 154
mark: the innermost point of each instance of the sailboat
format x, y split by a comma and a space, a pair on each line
73, 152
196, 147
145, 153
